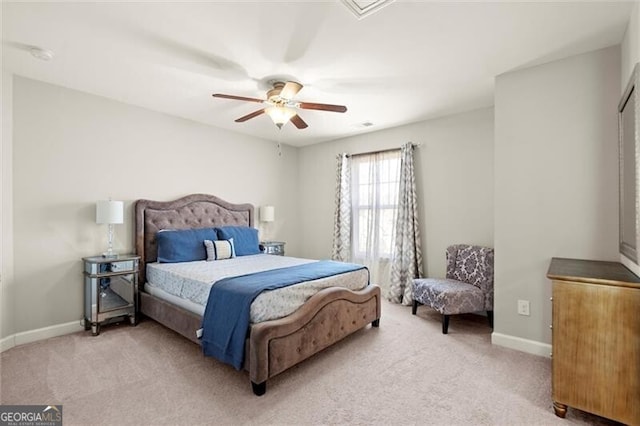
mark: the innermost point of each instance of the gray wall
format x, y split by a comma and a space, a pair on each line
556, 180
71, 149
7, 303
630, 46
454, 172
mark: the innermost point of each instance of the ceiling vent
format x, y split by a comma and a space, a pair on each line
364, 8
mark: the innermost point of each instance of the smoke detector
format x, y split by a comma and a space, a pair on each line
40, 53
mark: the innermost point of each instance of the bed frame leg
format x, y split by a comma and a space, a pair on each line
375, 323
259, 389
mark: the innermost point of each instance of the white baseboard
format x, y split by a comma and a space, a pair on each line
520, 344
7, 343
39, 334
633, 267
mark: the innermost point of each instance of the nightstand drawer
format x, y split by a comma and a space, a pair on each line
110, 266
272, 247
274, 250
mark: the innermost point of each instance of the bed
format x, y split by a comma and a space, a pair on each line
271, 346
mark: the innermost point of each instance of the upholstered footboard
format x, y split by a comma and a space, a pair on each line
324, 319
274, 346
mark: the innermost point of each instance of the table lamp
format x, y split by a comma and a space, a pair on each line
267, 214
110, 212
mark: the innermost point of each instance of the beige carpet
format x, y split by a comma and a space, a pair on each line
405, 372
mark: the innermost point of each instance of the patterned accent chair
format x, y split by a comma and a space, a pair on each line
467, 288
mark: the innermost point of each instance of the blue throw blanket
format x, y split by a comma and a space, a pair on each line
226, 317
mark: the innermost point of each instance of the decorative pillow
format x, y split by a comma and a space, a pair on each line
245, 239
183, 245
220, 249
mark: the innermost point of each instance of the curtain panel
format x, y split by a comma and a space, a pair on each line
407, 260
342, 215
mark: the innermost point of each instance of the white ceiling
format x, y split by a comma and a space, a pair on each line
407, 62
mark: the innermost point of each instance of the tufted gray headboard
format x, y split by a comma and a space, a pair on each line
192, 211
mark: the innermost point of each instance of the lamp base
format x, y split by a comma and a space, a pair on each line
110, 255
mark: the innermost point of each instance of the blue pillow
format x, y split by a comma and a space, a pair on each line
183, 245
245, 239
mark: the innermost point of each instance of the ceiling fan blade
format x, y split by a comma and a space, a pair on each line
250, 116
290, 89
323, 107
298, 122
237, 98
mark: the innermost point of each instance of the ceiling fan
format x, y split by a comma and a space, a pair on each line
281, 105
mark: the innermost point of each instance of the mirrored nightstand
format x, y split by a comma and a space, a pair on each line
272, 247
110, 290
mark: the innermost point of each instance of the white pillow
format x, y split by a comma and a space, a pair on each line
220, 249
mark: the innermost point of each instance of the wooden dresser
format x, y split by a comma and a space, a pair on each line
596, 339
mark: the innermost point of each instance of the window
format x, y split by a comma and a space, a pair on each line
375, 181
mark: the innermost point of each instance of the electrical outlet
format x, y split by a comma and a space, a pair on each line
523, 307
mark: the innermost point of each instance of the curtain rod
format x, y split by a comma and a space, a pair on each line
382, 151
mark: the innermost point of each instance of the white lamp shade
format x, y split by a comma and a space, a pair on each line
109, 211
280, 114
267, 214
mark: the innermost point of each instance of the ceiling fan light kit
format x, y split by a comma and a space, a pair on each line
281, 106
280, 114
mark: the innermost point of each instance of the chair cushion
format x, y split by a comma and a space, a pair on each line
448, 296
